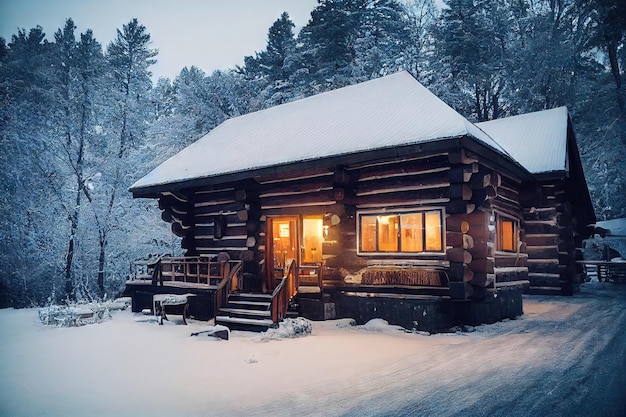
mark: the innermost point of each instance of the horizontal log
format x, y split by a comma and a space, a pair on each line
206, 230
178, 195
252, 227
294, 176
457, 223
479, 196
496, 179
239, 243
540, 213
318, 198
504, 260
217, 195
511, 274
540, 227
394, 162
459, 255
485, 265
460, 207
170, 202
543, 252
179, 230
459, 272
409, 182
545, 267
462, 156
478, 220
542, 239
483, 249
307, 185
462, 173
459, 240
460, 191
507, 208
480, 180
511, 196
217, 207
427, 196
483, 279
242, 215
408, 168
302, 210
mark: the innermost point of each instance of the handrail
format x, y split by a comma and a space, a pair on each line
282, 294
225, 287
193, 269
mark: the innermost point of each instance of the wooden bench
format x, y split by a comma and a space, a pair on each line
177, 304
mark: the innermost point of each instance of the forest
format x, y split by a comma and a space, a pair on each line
80, 122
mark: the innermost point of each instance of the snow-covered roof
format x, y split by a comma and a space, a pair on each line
382, 113
538, 141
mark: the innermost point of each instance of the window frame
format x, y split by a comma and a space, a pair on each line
500, 219
421, 210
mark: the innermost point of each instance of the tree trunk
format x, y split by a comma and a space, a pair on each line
612, 51
101, 261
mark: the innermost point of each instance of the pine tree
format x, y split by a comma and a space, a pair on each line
129, 57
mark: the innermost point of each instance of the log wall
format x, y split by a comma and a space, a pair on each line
233, 217
553, 243
478, 194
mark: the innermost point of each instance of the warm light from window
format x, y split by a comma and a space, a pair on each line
507, 235
410, 232
433, 231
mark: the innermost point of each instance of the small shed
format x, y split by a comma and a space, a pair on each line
378, 199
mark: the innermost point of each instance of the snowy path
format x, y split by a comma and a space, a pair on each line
565, 357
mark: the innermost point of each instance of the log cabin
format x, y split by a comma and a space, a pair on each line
373, 200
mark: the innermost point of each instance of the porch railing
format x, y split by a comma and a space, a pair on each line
283, 293
195, 270
228, 285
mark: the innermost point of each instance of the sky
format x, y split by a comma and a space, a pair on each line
210, 34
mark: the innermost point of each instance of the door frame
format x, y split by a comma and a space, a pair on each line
269, 244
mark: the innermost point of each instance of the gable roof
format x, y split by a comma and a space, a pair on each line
538, 140
386, 112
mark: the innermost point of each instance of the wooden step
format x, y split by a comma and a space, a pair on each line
544, 290
250, 296
251, 305
246, 312
240, 323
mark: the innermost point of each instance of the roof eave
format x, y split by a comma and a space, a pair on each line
155, 190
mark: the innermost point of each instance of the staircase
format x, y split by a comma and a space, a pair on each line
246, 311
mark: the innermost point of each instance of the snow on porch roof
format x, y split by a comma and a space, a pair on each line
538, 141
382, 113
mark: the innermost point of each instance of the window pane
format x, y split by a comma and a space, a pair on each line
368, 233
412, 231
433, 231
507, 235
388, 233
312, 239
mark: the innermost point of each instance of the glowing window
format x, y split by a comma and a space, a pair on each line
410, 232
507, 234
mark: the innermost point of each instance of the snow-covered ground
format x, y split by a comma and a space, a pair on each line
564, 357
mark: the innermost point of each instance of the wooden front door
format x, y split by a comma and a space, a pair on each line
283, 247
293, 239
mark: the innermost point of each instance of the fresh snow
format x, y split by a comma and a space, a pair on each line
537, 140
385, 112
566, 356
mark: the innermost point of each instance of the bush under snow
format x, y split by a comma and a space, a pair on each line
290, 327
74, 315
